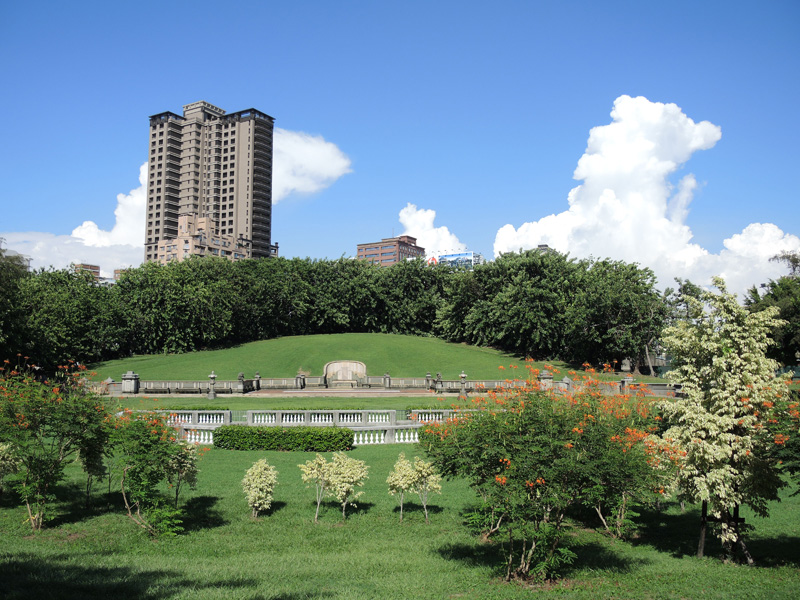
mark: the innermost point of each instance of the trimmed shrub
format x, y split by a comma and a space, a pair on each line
290, 439
258, 484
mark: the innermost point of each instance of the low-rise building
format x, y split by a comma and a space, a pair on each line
196, 236
390, 251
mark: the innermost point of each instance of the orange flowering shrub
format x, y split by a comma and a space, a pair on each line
48, 422
531, 455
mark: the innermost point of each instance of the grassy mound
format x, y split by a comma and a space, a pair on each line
400, 355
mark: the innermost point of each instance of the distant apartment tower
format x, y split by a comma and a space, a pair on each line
209, 187
390, 251
93, 270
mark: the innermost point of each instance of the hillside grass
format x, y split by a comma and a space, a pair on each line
399, 355
178, 402
283, 555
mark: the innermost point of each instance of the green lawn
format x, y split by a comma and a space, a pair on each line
272, 403
400, 355
224, 553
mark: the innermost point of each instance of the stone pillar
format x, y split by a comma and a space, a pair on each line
257, 381
428, 380
130, 383
625, 384
212, 380
463, 377
546, 380
300, 382
387, 380
439, 386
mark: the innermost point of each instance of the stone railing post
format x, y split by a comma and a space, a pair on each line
428, 380
300, 382
625, 384
212, 380
387, 380
439, 386
130, 383
546, 380
463, 377
257, 381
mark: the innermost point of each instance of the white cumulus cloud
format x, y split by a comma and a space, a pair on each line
418, 223
626, 208
302, 164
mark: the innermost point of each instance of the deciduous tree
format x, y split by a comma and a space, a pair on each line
723, 420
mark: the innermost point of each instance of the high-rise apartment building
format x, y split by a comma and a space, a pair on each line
209, 189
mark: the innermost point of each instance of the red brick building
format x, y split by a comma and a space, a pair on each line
390, 251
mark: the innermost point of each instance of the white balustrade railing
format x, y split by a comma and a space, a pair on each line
379, 417
350, 417
199, 436
264, 418
321, 418
179, 418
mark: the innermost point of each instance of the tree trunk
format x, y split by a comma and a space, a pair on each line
602, 518
703, 524
739, 538
649, 360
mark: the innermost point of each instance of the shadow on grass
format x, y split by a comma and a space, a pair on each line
676, 534
26, 575
199, 513
600, 557
590, 555
778, 551
476, 554
409, 507
361, 508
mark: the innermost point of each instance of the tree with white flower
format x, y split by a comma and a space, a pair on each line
723, 422
258, 485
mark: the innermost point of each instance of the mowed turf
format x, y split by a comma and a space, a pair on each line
224, 553
399, 355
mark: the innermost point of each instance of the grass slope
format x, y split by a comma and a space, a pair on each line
400, 355
224, 553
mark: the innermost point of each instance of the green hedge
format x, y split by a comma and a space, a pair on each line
304, 439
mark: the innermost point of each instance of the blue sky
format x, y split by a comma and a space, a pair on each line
477, 111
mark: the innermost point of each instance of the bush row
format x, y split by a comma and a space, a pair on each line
303, 439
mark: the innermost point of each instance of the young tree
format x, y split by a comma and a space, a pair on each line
182, 467
401, 479
337, 479
145, 447
258, 484
419, 478
426, 482
48, 423
346, 474
317, 472
723, 420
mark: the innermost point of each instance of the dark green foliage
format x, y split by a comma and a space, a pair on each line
616, 313
536, 303
303, 439
785, 294
67, 315
12, 273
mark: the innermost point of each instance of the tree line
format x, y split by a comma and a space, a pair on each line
541, 304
